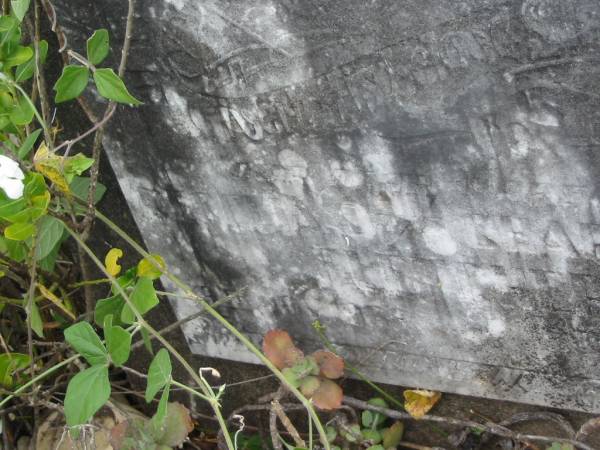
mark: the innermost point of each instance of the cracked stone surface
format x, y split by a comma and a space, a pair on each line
422, 177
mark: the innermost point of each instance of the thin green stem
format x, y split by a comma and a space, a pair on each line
142, 322
192, 391
39, 377
89, 282
249, 345
38, 116
329, 345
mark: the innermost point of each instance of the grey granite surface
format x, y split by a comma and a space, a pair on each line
422, 176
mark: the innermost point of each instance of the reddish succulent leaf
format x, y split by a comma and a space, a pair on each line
178, 424
328, 396
309, 385
279, 348
331, 365
117, 434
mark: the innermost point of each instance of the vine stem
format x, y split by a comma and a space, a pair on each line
142, 322
247, 343
39, 377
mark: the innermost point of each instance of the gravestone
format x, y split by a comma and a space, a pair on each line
422, 177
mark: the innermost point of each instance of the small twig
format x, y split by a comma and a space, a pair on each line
179, 323
97, 146
287, 423
588, 428
63, 43
275, 438
488, 428
39, 74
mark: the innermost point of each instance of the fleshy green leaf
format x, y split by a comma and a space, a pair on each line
28, 144
118, 341
19, 8
110, 86
50, 231
26, 70
98, 46
87, 392
19, 55
84, 340
71, 83
159, 374
143, 298
19, 231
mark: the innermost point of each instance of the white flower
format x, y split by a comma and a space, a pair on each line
11, 178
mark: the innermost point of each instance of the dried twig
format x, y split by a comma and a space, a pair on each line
275, 438
97, 146
498, 430
287, 423
588, 428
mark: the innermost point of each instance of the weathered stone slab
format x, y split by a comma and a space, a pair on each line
420, 176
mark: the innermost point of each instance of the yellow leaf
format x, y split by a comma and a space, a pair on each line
49, 165
418, 402
110, 261
54, 299
148, 268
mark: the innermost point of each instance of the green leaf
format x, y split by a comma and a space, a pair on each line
108, 306
159, 374
22, 112
98, 46
19, 55
143, 298
19, 8
393, 435
17, 250
36, 320
110, 86
7, 23
49, 261
76, 165
87, 392
71, 83
147, 341
124, 280
26, 70
158, 420
79, 188
50, 231
10, 364
19, 231
372, 435
28, 144
118, 341
35, 185
84, 340
9, 207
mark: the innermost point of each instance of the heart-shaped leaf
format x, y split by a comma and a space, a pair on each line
159, 374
